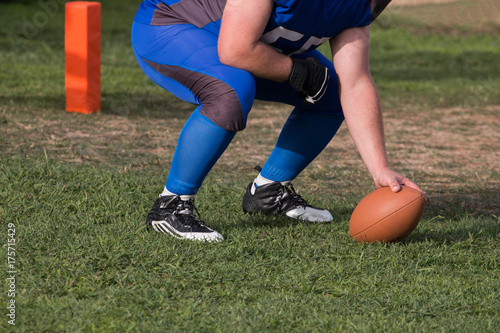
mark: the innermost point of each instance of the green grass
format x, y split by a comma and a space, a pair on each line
435, 70
77, 189
86, 263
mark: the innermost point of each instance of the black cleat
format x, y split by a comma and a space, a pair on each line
174, 216
278, 199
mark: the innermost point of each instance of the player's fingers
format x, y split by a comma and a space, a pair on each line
395, 187
409, 183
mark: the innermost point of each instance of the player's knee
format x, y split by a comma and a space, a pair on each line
227, 109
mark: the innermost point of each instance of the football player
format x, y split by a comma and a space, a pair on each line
222, 55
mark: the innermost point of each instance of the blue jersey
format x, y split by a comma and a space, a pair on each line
295, 26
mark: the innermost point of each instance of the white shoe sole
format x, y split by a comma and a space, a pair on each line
165, 228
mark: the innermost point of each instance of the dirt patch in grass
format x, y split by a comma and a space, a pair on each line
419, 2
448, 145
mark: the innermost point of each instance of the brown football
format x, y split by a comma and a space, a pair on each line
386, 216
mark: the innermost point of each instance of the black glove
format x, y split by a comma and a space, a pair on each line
310, 78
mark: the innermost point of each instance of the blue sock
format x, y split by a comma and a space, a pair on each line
303, 137
200, 145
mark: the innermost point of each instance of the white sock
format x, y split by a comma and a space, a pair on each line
259, 181
183, 197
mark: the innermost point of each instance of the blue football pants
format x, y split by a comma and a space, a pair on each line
183, 60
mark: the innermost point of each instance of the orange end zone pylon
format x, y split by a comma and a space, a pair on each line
83, 56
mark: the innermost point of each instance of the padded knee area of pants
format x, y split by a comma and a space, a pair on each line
221, 105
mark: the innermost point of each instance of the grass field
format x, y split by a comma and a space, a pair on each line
76, 189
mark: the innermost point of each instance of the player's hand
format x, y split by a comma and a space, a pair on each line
390, 178
310, 78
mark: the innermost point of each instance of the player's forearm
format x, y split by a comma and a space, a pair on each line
364, 120
259, 59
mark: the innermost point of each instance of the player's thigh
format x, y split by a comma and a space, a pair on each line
284, 93
183, 59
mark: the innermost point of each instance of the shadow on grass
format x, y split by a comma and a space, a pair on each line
481, 230
53, 102
160, 106
467, 202
156, 106
461, 216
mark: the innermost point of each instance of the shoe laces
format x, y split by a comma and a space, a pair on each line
188, 213
288, 195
